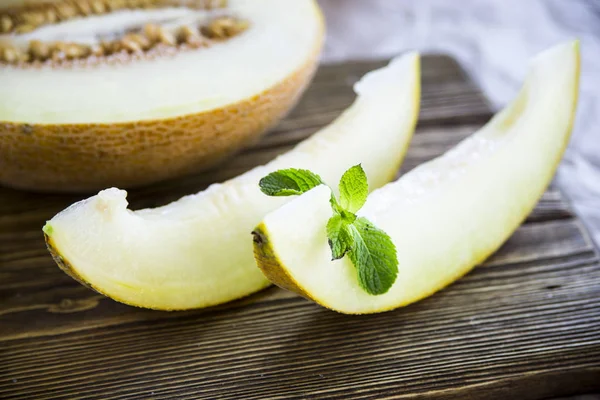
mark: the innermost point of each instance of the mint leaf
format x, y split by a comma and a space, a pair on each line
374, 256
339, 236
289, 182
354, 189
370, 249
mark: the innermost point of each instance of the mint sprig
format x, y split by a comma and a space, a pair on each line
369, 248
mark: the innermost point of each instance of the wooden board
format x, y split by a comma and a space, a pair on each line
525, 325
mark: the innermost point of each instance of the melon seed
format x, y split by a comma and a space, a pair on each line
84, 7
166, 37
107, 47
190, 36
115, 4
66, 11
141, 40
24, 57
130, 45
224, 27
33, 18
24, 28
73, 51
98, 7
151, 32
6, 24
112, 47
51, 16
39, 50
9, 54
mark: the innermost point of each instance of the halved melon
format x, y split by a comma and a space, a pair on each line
445, 216
197, 251
127, 92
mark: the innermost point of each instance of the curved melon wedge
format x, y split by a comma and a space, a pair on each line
445, 216
197, 251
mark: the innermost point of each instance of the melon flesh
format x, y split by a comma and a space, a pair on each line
197, 251
282, 38
445, 216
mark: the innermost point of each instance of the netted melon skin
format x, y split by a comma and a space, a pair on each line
90, 157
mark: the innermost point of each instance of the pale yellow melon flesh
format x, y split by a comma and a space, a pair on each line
197, 251
445, 216
86, 127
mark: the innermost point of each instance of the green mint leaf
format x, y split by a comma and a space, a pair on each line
339, 236
289, 182
370, 249
353, 189
374, 256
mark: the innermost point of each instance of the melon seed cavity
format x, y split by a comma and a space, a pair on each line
60, 33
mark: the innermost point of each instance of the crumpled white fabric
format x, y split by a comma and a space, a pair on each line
493, 40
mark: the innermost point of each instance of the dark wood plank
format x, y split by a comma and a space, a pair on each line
486, 328
525, 324
582, 397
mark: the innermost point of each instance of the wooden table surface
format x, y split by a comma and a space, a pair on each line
524, 325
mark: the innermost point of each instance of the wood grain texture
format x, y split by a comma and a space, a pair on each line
524, 325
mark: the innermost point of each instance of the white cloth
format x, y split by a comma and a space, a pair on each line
493, 41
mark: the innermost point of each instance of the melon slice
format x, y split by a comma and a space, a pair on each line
445, 216
99, 93
197, 251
